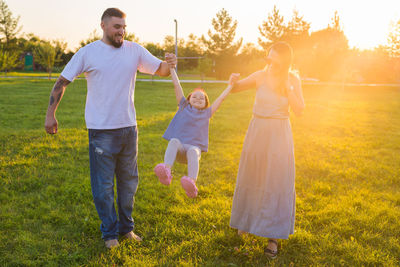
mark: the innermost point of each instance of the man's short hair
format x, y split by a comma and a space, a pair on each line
113, 12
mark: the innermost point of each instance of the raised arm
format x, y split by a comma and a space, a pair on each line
295, 94
215, 105
177, 85
246, 83
56, 94
232, 80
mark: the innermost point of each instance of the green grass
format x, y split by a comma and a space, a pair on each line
184, 75
32, 74
347, 147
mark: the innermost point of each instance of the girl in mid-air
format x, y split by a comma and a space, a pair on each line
188, 134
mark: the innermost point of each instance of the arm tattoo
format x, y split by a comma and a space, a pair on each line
61, 83
59, 97
51, 100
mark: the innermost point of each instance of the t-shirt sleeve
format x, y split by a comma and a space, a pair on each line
208, 112
183, 103
75, 66
147, 62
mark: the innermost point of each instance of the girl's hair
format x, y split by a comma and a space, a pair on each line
285, 52
205, 95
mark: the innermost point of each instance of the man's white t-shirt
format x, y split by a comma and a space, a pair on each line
111, 74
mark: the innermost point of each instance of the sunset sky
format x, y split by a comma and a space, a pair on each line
365, 23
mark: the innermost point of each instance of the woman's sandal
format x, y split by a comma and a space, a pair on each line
269, 252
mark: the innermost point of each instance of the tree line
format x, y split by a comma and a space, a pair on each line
323, 55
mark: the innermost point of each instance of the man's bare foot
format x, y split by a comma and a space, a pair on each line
272, 248
113, 243
132, 236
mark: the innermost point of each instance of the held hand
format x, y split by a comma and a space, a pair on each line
171, 59
51, 125
234, 78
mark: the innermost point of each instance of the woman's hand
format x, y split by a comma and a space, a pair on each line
234, 78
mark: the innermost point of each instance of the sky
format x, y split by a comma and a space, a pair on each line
366, 23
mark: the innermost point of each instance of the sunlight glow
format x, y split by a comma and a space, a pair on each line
365, 23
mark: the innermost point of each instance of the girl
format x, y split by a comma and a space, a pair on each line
188, 134
264, 199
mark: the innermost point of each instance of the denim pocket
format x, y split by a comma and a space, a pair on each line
103, 142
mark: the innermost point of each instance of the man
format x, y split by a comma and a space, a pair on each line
110, 66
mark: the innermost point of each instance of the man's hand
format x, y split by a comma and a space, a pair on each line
234, 78
167, 65
171, 60
56, 94
51, 125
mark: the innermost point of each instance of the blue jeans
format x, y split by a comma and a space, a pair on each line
114, 152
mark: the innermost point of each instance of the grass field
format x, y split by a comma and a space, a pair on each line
183, 75
347, 147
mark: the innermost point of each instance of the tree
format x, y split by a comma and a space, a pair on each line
394, 49
8, 32
192, 48
251, 59
372, 66
194, 45
155, 49
204, 67
8, 60
272, 30
295, 32
329, 53
131, 37
297, 26
46, 55
394, 40
335, 22
93, 36
60, 47
220, 45
298, 36
169, 44
8, 24
28, 43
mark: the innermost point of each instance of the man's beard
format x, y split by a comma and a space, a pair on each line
114, 43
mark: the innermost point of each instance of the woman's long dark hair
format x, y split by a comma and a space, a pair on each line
285, 52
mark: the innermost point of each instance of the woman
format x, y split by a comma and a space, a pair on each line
264, 199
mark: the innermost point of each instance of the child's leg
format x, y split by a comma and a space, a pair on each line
193, 155
188, 183
163, 170
174, 146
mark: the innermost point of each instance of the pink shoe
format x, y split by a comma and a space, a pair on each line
190, 186
163, 173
